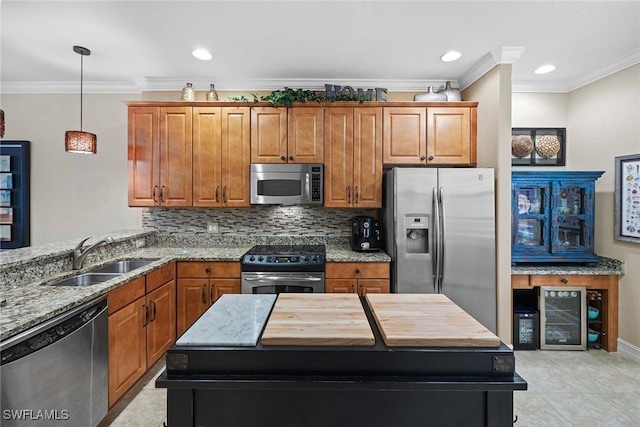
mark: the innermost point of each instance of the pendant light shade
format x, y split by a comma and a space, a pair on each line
78, 141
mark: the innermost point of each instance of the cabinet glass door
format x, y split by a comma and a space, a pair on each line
530, 232
569, 219
563, 317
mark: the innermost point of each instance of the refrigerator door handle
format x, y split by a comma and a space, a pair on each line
441, 250
435, 243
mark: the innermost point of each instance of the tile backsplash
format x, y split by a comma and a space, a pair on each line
258, 220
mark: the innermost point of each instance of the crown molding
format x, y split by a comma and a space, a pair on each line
503, 55
625, 61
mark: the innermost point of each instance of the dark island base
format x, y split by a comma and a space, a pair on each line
206, 401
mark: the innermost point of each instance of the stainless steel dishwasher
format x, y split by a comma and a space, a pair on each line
56, 374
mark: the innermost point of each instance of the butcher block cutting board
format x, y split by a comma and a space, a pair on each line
316, 320
427, 320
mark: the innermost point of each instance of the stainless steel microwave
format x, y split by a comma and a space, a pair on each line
287, 184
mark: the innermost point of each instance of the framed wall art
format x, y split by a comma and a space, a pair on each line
538, 146
627, 198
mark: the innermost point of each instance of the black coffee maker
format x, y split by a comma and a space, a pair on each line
365, 234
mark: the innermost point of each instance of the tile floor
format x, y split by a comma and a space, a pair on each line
566, 388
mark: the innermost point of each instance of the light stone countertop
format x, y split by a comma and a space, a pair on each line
30, 304
606, 267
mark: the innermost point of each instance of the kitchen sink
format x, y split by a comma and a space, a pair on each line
124, 266
86, 279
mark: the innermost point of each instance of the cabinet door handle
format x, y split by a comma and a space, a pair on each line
153, 194
153, 316
349, 194
431, 157
204, 294
362, 290
145, 321
423, 158
564, 280
290, 157
353, 289
224, 194
162, 193
357, 195
217, 188
283, 158
211, 294
207, 270
357, 271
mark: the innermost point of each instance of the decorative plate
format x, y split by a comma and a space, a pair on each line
521, 146
523, 204
547, 146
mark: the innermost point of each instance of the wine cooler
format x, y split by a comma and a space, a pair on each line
563, 318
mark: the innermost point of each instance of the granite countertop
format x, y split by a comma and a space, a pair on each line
28, 305
606, 267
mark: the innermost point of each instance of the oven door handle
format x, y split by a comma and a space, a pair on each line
287, 278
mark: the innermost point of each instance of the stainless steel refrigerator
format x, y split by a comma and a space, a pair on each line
439, 228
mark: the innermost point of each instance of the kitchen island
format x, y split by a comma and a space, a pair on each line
341, 375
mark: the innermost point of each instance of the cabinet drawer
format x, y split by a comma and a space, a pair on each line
126, 294
216, 269
520, 281
595, 282
357, 270
159, 277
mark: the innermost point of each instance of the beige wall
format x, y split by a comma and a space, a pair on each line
602, 121
73, 195
493, 93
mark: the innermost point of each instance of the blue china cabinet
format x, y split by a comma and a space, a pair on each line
552, 217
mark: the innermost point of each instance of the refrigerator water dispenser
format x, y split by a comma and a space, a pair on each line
417, 231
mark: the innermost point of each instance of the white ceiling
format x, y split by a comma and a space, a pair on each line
266, 45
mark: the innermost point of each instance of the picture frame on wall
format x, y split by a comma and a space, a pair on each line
5, 198
627, 198
6, 215
538, 146
6, 180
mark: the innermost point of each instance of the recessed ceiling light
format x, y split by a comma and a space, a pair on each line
202, 54
545, 69
450, 56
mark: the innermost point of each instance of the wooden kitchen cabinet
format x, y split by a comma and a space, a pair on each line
141, 326
159, 156
434, 135
353, 157
221, 155
287, 135
200, 284
607, 285
360, 278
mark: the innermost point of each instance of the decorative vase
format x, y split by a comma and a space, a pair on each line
212, 95
430, 96
188, 93
451, 93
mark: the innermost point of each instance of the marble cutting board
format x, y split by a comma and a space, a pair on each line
234, 320
317, 320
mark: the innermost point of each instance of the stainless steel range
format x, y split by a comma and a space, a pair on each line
274, 269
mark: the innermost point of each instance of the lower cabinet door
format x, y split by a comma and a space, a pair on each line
343, 286
161, 330
127, 348
373, 286
193, 300
220, 287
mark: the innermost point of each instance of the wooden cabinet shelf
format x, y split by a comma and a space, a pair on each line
607, 285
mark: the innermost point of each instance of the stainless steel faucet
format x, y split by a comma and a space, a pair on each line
79, 254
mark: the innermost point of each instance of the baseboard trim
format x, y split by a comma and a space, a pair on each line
628, 350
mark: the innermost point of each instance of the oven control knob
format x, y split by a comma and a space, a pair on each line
304, 259
252, 258
260, 258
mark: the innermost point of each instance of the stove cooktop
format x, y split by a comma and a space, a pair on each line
284, 258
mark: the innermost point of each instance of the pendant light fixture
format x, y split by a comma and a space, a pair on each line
78, 141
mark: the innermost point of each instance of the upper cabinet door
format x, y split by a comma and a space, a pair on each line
144, 156
449, 140
175, 156
268, 135
405, 137
235, 157
338, 166
367, 158
207, 151
305, 136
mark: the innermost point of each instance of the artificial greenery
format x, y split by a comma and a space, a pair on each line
288, 96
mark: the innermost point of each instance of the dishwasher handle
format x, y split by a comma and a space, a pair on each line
50, 332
